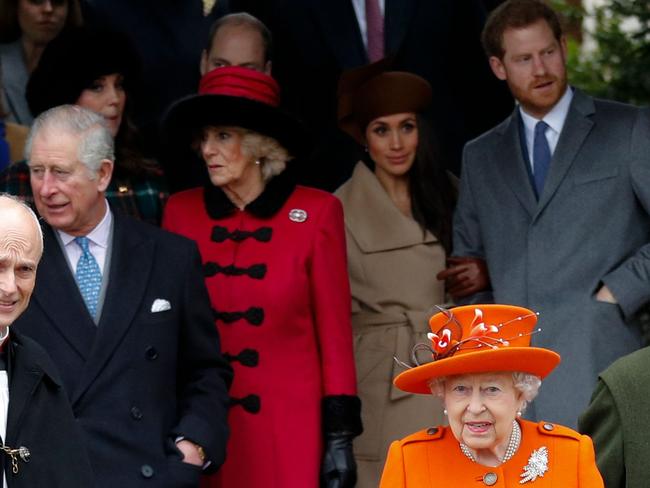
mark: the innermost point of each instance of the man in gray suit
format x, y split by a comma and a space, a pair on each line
556, 200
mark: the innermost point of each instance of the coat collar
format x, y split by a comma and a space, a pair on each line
29, 366
578, 124
373, 220
274, 196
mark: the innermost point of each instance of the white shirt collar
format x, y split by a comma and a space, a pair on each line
99, 235
555, 118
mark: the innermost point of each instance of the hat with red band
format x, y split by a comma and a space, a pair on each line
236, 97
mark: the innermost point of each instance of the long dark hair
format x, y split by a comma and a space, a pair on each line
433, 194
130, 160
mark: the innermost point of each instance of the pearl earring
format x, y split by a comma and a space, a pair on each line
518, 413
257, 162
444, 412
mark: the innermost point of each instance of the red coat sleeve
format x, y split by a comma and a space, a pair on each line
330, 295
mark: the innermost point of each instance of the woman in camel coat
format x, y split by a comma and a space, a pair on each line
394, 251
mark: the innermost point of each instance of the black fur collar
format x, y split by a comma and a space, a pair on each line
277, 191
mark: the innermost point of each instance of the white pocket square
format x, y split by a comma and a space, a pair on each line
160, 305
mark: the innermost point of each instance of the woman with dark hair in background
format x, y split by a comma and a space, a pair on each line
96, 70
398, 206
26, 27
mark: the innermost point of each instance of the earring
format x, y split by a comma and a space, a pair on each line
444, 412
257, 162
518, 413
365, 148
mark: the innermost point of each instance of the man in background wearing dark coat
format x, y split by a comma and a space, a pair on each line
124, 312
316, 40
42, 443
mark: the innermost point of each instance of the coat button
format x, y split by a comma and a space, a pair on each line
432, 431
490, 478
146, 471
151, 353
548, 426
136, 413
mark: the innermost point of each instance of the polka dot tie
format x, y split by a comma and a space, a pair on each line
88, 276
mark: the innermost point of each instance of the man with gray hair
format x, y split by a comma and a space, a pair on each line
124, 312
42, 443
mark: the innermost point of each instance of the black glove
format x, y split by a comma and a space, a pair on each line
339, 469
341, 424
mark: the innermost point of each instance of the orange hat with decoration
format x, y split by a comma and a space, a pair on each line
479, 339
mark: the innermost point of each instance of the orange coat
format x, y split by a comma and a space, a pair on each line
432, 458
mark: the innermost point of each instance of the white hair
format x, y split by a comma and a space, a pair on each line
95, 140
527, 384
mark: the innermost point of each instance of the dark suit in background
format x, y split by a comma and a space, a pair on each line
315, 40
139, 379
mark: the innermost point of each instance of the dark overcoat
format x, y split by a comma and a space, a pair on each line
150, 371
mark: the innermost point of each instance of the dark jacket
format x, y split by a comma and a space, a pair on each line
141, 378
41, 420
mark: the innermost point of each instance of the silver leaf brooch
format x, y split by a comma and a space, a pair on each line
536, 467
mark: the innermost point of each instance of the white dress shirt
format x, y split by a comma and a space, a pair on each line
98, 243
555, 120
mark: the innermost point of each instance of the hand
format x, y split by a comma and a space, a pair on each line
465, 276
604, 295
339, 469
190, 452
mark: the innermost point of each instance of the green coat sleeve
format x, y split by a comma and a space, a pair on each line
601, 421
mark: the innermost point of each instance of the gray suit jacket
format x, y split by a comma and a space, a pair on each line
591, 226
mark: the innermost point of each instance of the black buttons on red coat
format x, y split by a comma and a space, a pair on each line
250, 403
220, 234
146, 471
247, 357
256, 271
254, 316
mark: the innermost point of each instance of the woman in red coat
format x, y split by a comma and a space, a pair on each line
275, 268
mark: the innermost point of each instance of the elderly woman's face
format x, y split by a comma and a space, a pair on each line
392, 143
221, 150
107, 97
481, 408
42, 20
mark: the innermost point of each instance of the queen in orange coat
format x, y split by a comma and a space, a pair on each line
276, 271
486, 372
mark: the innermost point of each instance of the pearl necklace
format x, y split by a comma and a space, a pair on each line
513, 444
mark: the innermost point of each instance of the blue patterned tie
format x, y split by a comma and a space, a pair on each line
88, 276
541, 156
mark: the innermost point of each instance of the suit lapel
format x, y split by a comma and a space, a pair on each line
397, 19
576, 128
26, 374
58, 296
341, 31
131, 262
512, 163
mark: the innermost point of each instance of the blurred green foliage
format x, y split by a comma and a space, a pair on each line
619, 66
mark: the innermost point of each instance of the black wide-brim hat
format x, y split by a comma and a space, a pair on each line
74, 60
237, 97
